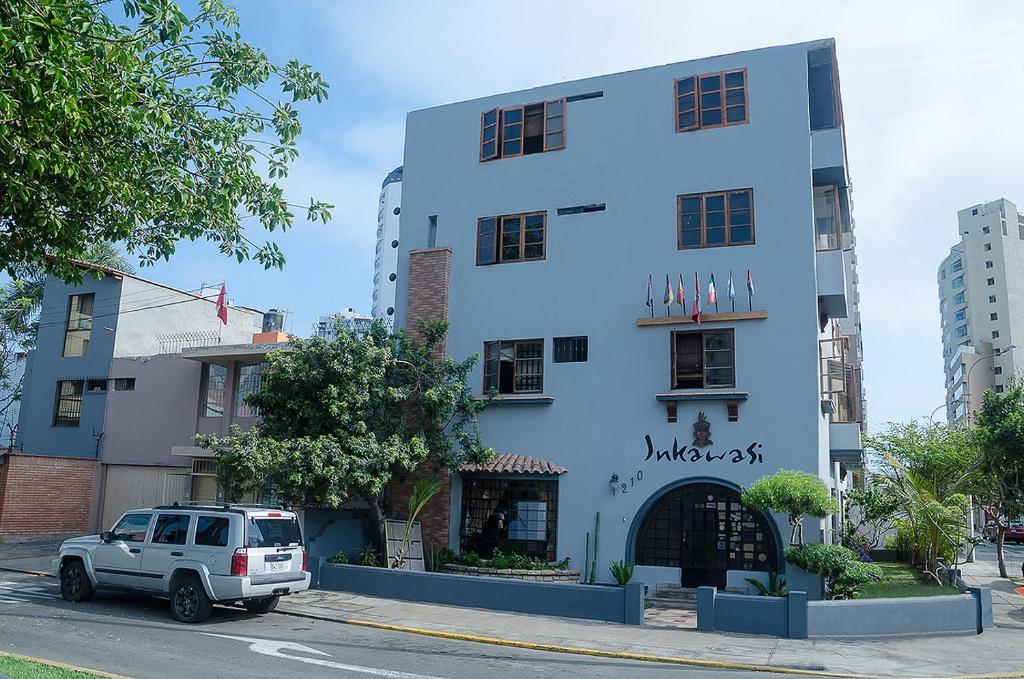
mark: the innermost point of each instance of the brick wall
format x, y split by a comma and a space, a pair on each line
428, 281
45, 495
434, 519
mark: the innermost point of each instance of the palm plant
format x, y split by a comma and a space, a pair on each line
422, 491
933, 508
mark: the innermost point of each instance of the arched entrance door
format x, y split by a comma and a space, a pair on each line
705, 530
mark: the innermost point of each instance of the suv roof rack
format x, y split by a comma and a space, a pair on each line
219, 506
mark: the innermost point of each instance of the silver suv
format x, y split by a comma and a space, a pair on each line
194, 554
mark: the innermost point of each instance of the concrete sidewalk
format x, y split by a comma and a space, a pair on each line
28, 557
996, 651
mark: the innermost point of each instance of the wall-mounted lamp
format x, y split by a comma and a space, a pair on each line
614, 482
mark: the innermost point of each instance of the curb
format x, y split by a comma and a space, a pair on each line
41, 574
63, 666
575, 650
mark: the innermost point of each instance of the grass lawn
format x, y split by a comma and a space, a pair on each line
17, 668
901, 580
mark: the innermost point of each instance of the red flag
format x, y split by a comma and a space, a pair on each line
222, 307
696, 298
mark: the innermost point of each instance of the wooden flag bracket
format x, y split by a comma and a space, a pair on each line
724, 317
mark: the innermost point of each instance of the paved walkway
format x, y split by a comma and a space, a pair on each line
998, 650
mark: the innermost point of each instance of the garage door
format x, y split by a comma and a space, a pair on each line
134, 486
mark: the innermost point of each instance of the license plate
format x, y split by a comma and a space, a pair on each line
277, 565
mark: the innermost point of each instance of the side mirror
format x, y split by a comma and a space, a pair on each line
106, 536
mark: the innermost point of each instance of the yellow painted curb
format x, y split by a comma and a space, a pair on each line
63, 666
574, 650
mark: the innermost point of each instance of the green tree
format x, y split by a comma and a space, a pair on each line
794, 493
141, 129
929, 471
869, 512
1000, 437
342, 418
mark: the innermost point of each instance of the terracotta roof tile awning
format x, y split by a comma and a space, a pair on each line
515, 464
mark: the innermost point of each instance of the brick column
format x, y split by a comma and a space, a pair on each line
428, 284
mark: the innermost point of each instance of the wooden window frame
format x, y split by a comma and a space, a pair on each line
699, 110
703, 220
497, 135
703, 344
498, 234
515, 345
500, 126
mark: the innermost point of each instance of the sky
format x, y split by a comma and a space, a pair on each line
933, 95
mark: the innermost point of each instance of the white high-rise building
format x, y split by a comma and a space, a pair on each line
385, 264
981, 301
351, 320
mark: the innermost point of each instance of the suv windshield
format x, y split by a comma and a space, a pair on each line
273, 532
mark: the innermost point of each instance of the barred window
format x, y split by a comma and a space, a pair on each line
569, 350
249, 375
124, 384
514, 366
67, 410
512, 515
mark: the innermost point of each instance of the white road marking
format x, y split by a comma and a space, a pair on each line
273, 649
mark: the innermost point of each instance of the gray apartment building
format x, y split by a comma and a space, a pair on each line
981, 305
533, 221
100, 404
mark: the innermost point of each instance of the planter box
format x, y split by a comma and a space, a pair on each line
797, 618
565, 599
552, 575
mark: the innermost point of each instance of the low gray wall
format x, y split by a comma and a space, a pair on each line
591, 602
952, 614
797, 618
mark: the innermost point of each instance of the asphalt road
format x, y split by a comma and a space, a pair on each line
136, 637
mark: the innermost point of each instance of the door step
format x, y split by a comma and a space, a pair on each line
669, 595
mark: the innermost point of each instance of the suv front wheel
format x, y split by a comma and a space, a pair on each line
74, 582
261, 605
189, 602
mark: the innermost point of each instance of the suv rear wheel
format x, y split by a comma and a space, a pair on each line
74, 582
261, 605
189, 602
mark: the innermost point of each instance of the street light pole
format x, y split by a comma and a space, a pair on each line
967, 379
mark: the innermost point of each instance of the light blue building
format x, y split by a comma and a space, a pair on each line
534, 220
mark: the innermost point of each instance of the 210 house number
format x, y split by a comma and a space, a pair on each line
627, 485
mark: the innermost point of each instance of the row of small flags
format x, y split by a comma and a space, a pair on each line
678, 296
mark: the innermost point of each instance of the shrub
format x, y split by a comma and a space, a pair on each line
776, 585
368, 555
856, 573
623, 571
794, 493
842, 570
338, 558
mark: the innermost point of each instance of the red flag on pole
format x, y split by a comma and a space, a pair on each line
222, 307
696, 298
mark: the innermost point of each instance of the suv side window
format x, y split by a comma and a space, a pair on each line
132, 528
212, 531
171, 529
